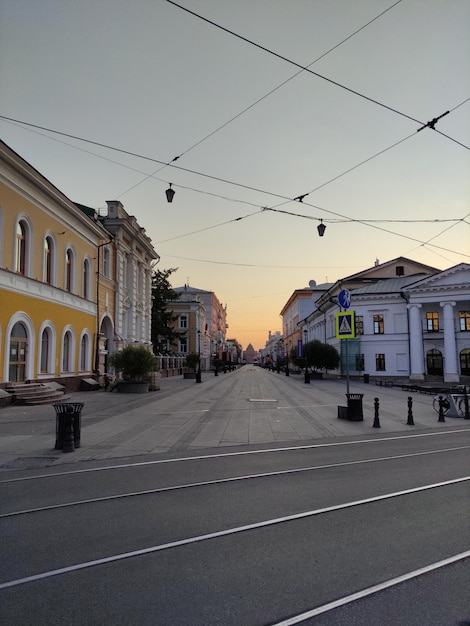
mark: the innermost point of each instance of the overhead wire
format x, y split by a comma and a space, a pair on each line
307, 69
284, 198
269, 93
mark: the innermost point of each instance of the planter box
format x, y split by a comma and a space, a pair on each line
133, 387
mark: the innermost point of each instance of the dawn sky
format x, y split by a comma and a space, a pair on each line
253, 131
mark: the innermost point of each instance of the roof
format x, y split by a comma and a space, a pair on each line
389, 285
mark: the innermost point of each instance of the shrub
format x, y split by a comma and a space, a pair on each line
134, 363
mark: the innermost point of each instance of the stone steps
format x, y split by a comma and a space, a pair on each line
35, 393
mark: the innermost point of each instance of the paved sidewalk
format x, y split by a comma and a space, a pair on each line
250, 406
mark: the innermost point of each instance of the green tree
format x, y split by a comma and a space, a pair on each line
162, 329
192, 360
321, 355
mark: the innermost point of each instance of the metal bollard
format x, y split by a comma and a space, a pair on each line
410, 421
376, 423
441, 410
465, 400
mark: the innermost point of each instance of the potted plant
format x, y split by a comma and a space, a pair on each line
135, 364
192, 360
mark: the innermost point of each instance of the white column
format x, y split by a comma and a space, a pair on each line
451, 372
416, 343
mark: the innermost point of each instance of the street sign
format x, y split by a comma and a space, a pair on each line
345, 325
344, 298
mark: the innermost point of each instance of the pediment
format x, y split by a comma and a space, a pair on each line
457, 277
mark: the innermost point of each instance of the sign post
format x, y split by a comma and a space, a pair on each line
346, 329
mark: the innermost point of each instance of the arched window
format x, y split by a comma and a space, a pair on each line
48, 259
45, 350
69, 270
67, 352
84, 353
86, 279
465, 362
434, 363
21, 241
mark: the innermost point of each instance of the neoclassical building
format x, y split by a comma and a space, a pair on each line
73, 285
47, 278
412, 321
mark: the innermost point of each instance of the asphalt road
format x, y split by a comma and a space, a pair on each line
252, 537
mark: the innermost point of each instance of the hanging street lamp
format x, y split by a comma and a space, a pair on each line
170, 194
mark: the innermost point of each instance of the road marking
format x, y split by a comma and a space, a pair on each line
262, 400
374, 589
225, 480
203, 457
224, 533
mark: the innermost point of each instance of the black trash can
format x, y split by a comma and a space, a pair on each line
68, 425
355, 413
366, 378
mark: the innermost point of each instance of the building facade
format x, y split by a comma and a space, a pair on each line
213, 333
74, 286
412, 322
47, 279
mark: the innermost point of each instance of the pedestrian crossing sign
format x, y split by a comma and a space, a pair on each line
345, 325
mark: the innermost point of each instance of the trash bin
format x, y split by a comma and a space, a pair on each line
355, 407
366, 378
67, 425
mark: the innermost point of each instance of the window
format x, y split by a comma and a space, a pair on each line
465, 362
86, 279
432, 322
68, 270
48, 252
106, 263
380, 362
183, 345
84, 353
20, 260
435, 363
183, 321
45, 348
378, 325
66, 353
464, 320
359, 324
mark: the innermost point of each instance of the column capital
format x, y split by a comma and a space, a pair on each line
416, 305
450, 303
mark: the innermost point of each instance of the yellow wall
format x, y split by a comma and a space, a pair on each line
47, 213
39, 311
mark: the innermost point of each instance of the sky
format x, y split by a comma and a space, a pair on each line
221, 85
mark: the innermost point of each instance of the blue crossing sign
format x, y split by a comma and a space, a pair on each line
344, 298
345, 325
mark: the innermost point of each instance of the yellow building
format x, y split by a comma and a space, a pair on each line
48, 288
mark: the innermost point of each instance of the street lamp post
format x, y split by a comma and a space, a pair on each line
307, 377
198, 373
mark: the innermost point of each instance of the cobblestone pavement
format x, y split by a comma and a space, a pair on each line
250, 406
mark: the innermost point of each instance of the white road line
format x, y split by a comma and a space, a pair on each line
223, 533
226, 480
370, 590
240, 453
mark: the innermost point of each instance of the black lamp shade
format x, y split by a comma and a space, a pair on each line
170, 194
321, 229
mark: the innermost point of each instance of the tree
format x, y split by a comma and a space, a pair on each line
192, 360
162, 330
321, 355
